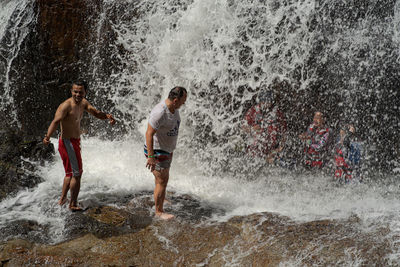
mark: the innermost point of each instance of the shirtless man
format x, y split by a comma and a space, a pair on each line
70, 114
161, 137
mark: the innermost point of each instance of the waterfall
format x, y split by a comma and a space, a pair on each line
15, 20
335, 57
339, 57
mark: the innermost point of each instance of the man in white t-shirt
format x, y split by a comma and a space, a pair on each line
161, 136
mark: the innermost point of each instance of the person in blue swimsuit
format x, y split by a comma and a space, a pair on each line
347, 155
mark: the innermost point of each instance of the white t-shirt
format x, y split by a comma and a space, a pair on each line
166, 125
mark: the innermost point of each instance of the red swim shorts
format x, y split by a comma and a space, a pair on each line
70, 152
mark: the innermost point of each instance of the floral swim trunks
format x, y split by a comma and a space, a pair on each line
162, 157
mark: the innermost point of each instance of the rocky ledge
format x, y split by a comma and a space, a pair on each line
130, 236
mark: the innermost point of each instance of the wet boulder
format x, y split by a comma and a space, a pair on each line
262, 239
26, 229
104, 221
18, 151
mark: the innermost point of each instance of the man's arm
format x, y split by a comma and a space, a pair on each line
98, 114
61, 112
151, 161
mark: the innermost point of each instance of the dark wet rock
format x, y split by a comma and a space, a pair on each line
184, 206
17, 152
9, 140
15, 144
189, 208
34, 149
104, 221
56, 51
62, 46
26, 229
119, 218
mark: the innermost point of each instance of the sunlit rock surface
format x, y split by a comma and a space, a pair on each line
118, 237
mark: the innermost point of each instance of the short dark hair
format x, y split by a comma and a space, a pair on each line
80, 83
177, 92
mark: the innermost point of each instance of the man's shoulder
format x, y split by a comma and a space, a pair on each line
66, 104
159, 108
161, 105
85, 103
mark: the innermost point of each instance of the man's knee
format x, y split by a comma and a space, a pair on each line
162, 181
161, 173
76, 179
161, 177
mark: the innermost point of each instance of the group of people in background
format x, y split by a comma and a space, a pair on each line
266, 126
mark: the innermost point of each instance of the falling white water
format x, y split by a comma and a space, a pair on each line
15, 19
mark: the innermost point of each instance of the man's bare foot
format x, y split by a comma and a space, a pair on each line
62, 201
75, 208
164, 216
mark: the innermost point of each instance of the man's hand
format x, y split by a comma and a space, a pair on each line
110, 117
151, 164
46, 140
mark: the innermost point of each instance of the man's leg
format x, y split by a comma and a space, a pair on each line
161, 181
65, 189
75, 186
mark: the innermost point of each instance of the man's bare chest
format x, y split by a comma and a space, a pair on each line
74, 115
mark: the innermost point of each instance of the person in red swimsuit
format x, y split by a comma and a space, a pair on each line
266, 124
316, 140
69, 115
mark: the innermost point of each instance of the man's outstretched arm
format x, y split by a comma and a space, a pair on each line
99, 114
